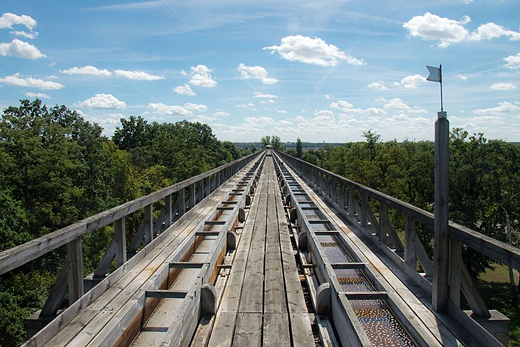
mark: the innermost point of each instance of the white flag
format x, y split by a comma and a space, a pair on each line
435, 74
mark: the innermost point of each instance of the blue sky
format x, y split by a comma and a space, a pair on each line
318, 70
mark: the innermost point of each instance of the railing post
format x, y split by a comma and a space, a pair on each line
409, 242
148, 226
383, 223
191, 195
454, 273
364, 210
351, 208
182, 201
441, 243
120, 238
75, 273
169, 210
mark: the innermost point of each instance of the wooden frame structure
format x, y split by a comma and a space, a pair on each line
354, 201
175, 201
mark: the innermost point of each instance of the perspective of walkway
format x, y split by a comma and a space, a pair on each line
252, 254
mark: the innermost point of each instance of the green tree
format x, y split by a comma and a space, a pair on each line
299, 148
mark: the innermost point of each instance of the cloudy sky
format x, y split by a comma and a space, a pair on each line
319, 70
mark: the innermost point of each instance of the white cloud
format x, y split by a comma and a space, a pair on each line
462, 77
195, 107
28, 35
175, 110
249, 104
264, 96
221, 114
503, 86
433, 27
379, 85
281, 111
491, 31
449, 31
341, 105
311, 51
30, 82
257, 72
184, 90
397, 104
37, 95
20, 49
103, 101
87, 70
503, 108
137, 75
269, 102
201, 76
513, 61
204, 119
9, 19
411, 82
328, 97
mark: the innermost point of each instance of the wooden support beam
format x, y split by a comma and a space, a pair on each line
364, 210
50, 308
383, 223
120, 242
166, 294
409, 242
148, 224
168, 207
75, 272
455, 264
192, 199
181, 200
366, 295
351, 210
440, 293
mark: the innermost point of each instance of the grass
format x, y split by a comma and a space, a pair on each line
494, 288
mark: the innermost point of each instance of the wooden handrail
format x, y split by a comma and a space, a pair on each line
495, 249
19, 255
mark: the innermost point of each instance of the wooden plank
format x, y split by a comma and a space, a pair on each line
226, 317
250, 301
276, 330
274, 288
248, 331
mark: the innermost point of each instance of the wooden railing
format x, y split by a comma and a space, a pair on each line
356, 202
175, 199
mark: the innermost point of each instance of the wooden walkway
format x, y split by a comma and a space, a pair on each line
263, 285
262, 303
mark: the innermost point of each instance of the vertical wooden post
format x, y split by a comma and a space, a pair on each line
191, 195
182, 201
169, 210
455, 263
351, 208
75, 273
383, 223
148, 224
364, 209
441, 246
120, 238
409, 242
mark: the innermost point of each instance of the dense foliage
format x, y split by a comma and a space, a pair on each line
484, 180
56, 168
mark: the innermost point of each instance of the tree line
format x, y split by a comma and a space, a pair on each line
57, 168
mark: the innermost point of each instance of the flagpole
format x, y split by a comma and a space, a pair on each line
440, 80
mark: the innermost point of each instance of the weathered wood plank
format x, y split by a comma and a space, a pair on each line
276, 330
248, 331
